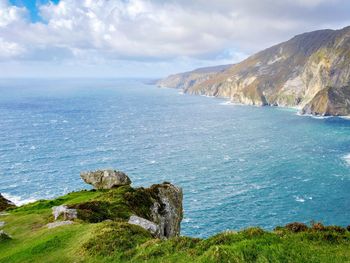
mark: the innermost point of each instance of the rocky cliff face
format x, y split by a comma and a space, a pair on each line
310, 71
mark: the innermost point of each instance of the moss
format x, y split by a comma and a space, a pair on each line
98, 211
115, 237
140, 201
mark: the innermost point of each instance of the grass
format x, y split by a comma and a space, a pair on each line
102, 234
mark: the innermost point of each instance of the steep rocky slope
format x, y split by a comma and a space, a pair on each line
311, 71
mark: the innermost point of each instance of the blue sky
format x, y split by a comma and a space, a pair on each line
32, 6
149, 38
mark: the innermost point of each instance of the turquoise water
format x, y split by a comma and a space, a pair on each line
238, 165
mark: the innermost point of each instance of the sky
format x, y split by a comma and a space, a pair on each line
149, 38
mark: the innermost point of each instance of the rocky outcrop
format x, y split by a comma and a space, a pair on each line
105, 179
160, 206
167, 210
5, 204
67, 213
145, 224
295, 73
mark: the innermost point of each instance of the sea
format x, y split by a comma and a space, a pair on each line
239, 166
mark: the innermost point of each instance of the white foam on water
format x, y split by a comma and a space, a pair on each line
319, 117
230, 103
17, 200
346, 158
299, 199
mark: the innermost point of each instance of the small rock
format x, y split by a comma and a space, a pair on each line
59, 223
145, 224
105, 179
4, 236
68, 214
2, 223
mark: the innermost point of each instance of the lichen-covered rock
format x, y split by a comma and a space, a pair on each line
59, 223
145, 224
4, 236
105, 179
5, 204
67, 213
167, 210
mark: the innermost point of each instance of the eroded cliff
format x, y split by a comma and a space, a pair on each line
296, 73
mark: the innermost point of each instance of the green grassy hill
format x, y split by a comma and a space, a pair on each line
102, 234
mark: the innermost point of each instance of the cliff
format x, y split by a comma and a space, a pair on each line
311, 71
120, 223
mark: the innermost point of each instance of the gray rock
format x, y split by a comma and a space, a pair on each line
68, 214
2, 223
105, 179
4, 236
145, 224
167, 210
59, 223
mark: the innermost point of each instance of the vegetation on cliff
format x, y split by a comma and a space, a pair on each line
102, 234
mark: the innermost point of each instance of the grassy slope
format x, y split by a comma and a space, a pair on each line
118, 241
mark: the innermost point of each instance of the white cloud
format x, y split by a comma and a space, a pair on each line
10, 49
98, 31
10, 14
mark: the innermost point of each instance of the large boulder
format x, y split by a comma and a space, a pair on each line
105, 179
5, 204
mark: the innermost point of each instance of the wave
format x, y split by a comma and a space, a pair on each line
346, 158
230, 103
18, 200
320, 117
